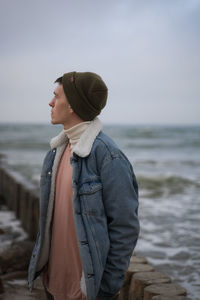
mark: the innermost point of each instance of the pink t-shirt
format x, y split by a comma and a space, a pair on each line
64, 270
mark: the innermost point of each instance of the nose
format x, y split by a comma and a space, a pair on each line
51, 103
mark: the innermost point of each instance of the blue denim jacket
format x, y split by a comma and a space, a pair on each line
105, 205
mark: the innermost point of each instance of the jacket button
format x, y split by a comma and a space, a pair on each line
54, 150
73, 159
33, 255
49, 173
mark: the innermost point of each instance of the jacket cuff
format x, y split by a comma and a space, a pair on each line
106, 296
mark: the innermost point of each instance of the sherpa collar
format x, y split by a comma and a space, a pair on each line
84, 145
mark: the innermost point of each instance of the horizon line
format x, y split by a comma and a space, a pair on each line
104, 123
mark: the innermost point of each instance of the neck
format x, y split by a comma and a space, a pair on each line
71, 124
72, 121
74, 132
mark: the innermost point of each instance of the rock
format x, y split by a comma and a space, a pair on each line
18, 290
15, 275
16, 257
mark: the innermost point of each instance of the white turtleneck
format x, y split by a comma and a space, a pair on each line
75, 132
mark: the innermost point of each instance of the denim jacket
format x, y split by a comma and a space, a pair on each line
105, 207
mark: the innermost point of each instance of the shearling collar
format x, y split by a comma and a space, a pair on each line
84, 145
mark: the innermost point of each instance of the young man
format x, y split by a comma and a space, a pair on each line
88, 224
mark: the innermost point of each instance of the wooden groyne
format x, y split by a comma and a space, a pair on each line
21, 197
142, 281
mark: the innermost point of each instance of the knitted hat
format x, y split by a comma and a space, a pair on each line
86, 93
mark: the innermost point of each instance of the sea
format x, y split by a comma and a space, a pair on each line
166, 161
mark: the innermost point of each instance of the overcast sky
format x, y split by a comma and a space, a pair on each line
147, 52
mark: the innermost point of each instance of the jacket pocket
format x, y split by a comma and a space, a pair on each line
90, 188
90, 194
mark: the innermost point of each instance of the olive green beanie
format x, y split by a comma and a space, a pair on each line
86, 93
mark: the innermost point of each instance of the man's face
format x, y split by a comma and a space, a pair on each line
60, 112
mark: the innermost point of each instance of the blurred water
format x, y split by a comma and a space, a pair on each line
166, 160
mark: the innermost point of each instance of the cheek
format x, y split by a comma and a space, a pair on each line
61, 110
64, 108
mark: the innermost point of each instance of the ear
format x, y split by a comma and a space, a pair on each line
70, 109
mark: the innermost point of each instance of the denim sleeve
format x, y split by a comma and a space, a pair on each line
120, 197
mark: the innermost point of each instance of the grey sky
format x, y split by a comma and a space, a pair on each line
148, 53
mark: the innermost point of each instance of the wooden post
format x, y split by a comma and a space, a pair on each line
142, 279
23, 206
14, 194
5, 187
168, 289
133, 268
2, 197
9, 190
32, 215
138, 260
1, 180
170, 298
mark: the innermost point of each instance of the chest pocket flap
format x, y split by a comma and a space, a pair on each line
90, 187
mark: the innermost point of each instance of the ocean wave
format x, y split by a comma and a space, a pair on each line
28, 145
154, 132
157, 186
167, 162
146, 144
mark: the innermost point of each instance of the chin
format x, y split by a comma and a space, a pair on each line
55, 122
